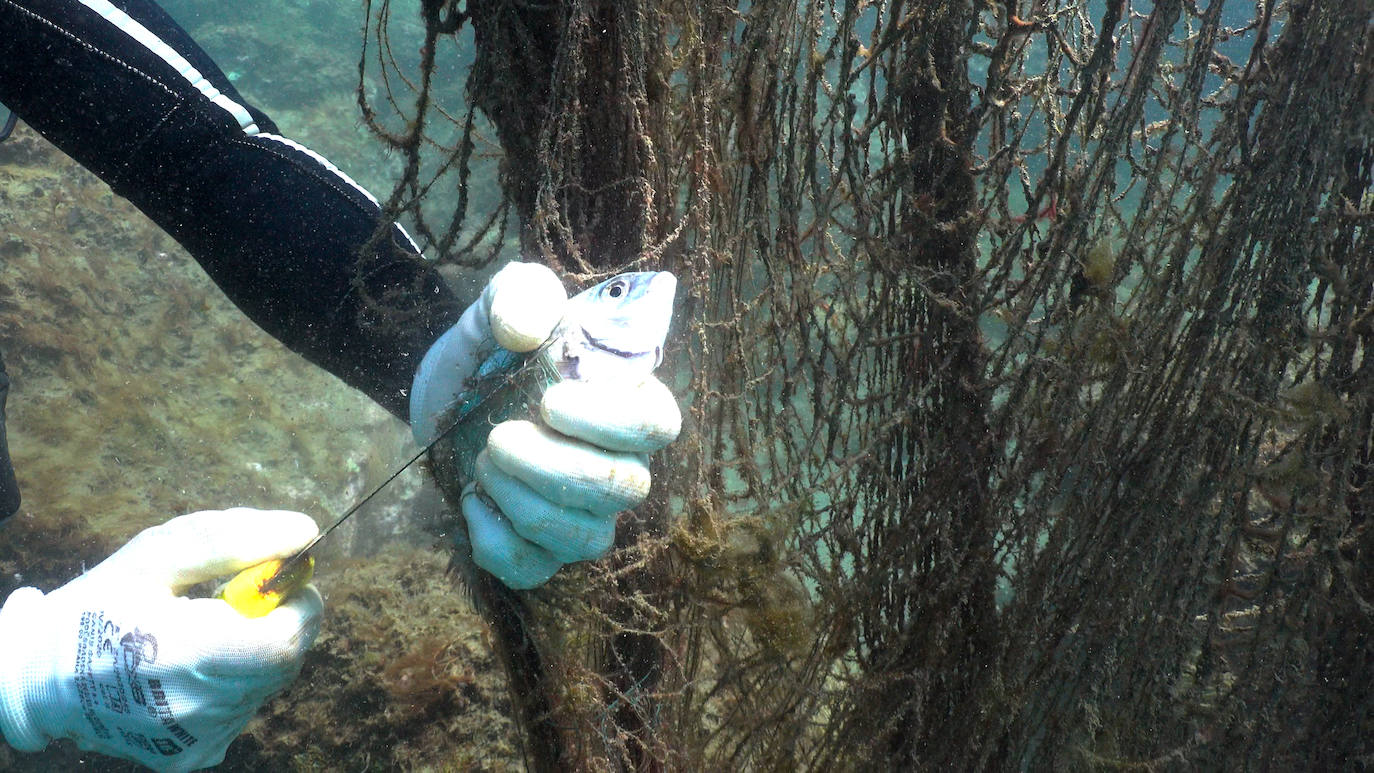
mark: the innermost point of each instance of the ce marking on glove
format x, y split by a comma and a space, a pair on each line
115, 697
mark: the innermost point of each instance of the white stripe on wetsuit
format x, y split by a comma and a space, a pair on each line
166, 53
178, 62
324, 162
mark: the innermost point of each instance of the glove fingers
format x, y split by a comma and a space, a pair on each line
515, 561
570, 535
203, 546
198, 669
638, 416
262, 654
567, 471
290, 629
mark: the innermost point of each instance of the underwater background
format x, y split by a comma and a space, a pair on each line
1050, 483
140, 393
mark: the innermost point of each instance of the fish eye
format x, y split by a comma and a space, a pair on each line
617, 288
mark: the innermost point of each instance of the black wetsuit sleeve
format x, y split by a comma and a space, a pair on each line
119, 87
9, 487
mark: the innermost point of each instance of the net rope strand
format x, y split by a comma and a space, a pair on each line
1023, 356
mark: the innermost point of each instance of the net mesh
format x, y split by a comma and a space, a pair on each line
1023, 352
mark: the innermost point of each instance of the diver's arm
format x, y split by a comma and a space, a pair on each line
278, 228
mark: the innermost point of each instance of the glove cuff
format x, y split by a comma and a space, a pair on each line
25, 672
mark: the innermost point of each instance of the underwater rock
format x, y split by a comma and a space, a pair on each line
12, 247
24, 148
401, 676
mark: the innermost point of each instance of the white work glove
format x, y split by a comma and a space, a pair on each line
549, 491
122, 665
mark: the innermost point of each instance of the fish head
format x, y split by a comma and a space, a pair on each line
616, 329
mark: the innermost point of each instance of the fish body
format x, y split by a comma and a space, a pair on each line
611, 332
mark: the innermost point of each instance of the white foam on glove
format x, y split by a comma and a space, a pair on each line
122, 665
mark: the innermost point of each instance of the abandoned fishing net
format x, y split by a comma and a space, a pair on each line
1024, 350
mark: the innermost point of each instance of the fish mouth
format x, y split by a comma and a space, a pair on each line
596, 342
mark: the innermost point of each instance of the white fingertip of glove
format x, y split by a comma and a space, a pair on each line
640, 416
120, 664
519, 308
569, 534
515, 561
527, 303
205, 546
568, 471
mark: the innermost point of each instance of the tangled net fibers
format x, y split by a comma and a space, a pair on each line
1024, 354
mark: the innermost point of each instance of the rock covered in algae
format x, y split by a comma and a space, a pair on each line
401, 678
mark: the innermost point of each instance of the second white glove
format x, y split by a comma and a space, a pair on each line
121, 664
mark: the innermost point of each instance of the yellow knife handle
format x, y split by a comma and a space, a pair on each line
257, 590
